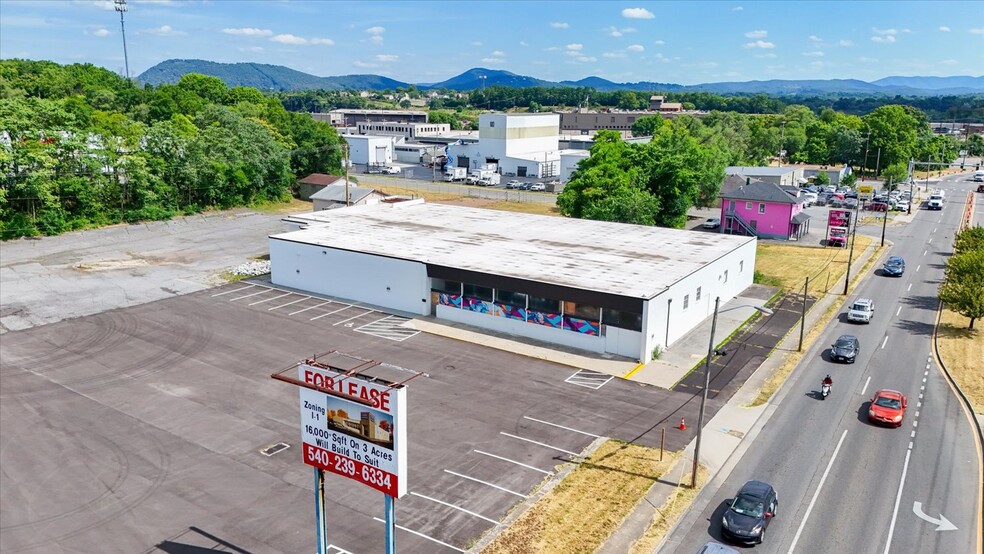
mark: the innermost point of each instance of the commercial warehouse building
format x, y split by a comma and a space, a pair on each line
598, 286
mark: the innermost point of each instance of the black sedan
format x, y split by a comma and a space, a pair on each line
750, 513
894, 266
845, 349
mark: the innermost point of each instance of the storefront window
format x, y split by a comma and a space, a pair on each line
623, 320
583, 311
475, 291
541, 304
450, 287
517, 299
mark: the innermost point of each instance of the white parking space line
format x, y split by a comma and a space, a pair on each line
289, 303
543, 444
865, 387
590, 379
421, 535
898, 311
330, 313
332, 549
269, 299
562, 427
390, 327
459, 508
310, 308
816, 493
512, 462
353, 317
898, 498
231, 291
503, 489
249, 295
884, 342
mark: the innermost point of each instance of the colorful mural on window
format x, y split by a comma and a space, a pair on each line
453, 300
512, 312
480, 306
546, 318
584, 326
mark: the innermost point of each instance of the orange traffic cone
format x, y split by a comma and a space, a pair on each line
683, 425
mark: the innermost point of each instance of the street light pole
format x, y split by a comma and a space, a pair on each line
885, 219
707, 382
850, 256
806, 287
703, 394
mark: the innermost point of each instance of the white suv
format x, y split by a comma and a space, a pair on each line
861, 311
538, 186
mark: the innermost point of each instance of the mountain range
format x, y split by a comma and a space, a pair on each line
278, 77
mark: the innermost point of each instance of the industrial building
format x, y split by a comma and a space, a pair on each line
369, 150
522, 145
409, 131
604, 287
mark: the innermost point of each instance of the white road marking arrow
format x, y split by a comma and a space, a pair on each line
941, 524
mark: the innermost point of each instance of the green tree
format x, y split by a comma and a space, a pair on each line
971, 238
963, 289
647, 125
895, 130
896, 174
822, 178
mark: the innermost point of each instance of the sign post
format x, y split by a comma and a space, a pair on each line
353, 424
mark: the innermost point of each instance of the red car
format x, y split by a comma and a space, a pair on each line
888, 407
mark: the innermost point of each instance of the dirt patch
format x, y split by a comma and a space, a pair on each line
962, 351
110, 265
582, 511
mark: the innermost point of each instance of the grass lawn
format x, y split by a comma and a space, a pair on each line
962, 351
584, 509
787, 266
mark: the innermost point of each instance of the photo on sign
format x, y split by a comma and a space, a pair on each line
361, 422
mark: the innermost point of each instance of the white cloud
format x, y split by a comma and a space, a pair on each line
845, 42
628, 30
944, 29
493, 60
523, 43
367, 65
101, 4
759, 44
737, 9
251, 49
878, 31
289, 39
814, 54
949, 62
659, 42
376, 39
377, 30
886, 38
559, 25
323, 41
636, 48
498, 54
756, 34
977, 31
387, 57
587, 59
162, 31
575, 47
612, 31
476, 43
553, 49
613, 55
101, 33
662, 58
637, 13
815, 38
248, 32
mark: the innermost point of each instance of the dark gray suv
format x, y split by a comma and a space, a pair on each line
750, 512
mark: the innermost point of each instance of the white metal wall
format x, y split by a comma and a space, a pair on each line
667, 308
367, 149
395, 284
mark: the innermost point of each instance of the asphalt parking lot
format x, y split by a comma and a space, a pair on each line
140, 429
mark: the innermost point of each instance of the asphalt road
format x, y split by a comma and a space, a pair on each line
845, 485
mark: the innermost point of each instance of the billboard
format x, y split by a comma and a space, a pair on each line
363, 440
866, 192
839, 218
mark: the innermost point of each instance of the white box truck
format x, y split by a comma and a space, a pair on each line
455, 174
979, 176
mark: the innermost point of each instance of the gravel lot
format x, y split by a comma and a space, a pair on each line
48, 279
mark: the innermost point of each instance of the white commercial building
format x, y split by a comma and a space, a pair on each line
569, 160
524, 145
598, 286
366, 150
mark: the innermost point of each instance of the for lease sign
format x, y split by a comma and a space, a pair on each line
362, 441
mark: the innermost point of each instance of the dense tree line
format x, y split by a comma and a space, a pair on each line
81, 146
963, 289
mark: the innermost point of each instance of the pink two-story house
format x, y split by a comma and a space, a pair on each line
764, 210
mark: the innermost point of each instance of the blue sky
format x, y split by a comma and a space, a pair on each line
674, 42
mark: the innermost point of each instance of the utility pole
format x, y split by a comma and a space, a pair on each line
850, 256
345, 162
878, 162
885, 219
120, 6
806, 288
